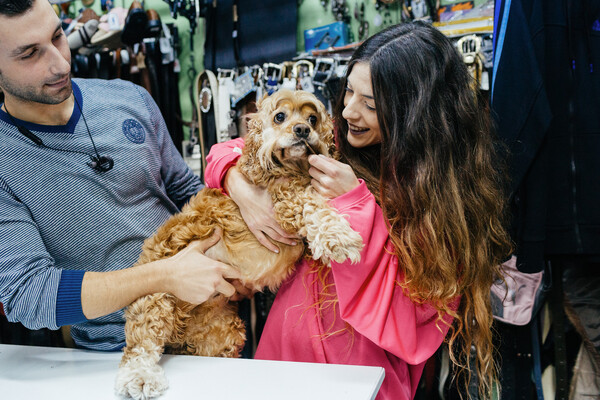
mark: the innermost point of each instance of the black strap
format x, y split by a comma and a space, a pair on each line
537, 359
558, 318
235, 34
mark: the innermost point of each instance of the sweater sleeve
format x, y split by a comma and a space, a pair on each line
370, 299
221, 157
180, 181
32, 290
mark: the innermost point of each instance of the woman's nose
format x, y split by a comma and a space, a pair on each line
350, 112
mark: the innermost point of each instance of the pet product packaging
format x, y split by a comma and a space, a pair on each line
323, 37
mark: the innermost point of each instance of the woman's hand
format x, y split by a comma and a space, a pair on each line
256, 207
331, 178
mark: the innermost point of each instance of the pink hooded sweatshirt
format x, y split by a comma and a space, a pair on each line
373, 323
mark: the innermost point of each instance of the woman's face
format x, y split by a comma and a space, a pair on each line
359, 108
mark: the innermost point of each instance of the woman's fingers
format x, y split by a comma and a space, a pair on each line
262, 239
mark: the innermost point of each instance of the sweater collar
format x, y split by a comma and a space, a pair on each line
68, 127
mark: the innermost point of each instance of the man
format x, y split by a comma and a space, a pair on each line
87, 172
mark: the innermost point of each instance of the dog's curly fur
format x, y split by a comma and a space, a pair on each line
286, 129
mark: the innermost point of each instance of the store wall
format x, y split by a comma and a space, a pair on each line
186, 78
311, 14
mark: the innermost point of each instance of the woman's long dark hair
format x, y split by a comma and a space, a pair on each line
438, 181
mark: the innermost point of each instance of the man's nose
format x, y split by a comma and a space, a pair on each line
59, 64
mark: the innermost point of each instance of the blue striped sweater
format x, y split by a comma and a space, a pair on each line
60, 218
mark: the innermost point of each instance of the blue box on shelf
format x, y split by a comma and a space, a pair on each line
323, 37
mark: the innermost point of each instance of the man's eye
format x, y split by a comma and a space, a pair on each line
279, 117
312, 120
28, 55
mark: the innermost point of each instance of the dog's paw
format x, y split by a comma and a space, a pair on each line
341, 254
345, 246
140, 383
353, 245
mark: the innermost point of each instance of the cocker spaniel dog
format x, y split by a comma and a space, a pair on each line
287, 128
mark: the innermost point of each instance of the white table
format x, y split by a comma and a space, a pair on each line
31, 372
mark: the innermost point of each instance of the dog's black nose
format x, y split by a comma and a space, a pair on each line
302, 130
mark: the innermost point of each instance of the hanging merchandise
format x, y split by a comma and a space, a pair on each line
302, 74
471, 30
324, 37
470, 48
363, 24
272, 76
226, 116
339, 8
206, 103
131, 44
236, 33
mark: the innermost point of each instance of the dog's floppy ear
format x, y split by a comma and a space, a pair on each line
260, 103
255, 124
329, 138
248, 163
326, 128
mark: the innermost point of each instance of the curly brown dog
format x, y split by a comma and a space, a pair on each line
287, 127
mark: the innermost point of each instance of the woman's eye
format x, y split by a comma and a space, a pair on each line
279, 117
312, 120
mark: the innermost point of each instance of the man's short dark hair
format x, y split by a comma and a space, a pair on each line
11, 8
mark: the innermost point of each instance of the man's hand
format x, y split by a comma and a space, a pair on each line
331, 178
241, 292
189, 275
194, 277
256, 207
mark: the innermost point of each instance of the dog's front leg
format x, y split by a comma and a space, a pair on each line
328, 233
150, 323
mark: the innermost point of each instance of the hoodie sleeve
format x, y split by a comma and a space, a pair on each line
221, 157
370, 298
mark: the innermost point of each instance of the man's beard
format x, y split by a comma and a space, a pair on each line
31, 94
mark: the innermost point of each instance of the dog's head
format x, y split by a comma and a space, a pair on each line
287, 128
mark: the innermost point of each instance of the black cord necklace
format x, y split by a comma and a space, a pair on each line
98, 162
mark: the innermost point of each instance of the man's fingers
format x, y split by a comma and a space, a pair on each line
242, 292
205, 244
229, 272
226, 288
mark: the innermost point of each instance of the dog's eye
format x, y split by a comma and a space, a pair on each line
279, 117
312, 120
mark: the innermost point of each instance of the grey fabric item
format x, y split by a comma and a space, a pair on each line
514, 301
83, 35
581, 286
585, 384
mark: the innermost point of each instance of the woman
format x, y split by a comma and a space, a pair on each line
418, 181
